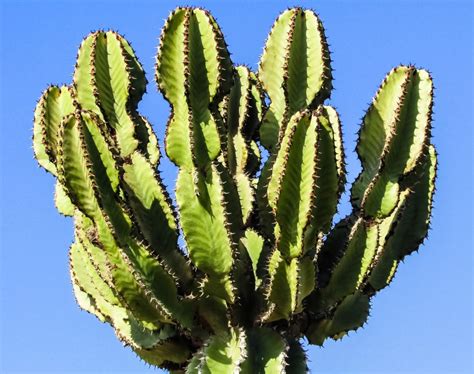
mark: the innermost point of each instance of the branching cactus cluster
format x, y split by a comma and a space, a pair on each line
263, 265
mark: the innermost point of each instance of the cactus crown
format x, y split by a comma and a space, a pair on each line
264, 264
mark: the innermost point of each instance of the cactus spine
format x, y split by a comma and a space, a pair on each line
264, 263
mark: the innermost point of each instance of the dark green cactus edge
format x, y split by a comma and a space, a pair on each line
264, 264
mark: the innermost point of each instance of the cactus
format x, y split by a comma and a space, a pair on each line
264, 265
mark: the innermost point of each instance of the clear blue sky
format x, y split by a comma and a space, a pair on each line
421, 324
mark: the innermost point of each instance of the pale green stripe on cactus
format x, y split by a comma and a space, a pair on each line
83, 76
237, 113
266, 351
294, 76
253, 244
55, 103
330, 115
266, 217
246, 195
230, 345
62, 201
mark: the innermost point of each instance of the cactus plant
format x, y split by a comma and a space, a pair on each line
264, 265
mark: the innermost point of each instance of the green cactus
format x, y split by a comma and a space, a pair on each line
264, 264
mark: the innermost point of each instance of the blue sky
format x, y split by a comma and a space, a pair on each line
421, 324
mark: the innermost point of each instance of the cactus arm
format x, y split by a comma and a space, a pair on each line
109, 81
170, 77
200, 200
75, 173
293, 75
112, 80
350, 314
415, 218
281, 288
88, 141
222, 353
128, 286
303, 192
376, 129
265, 352
353, 265
189, 41
54, 104
410, 223
108, 308
244, 107
292, 184
155, 217
406, 129
296, 359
